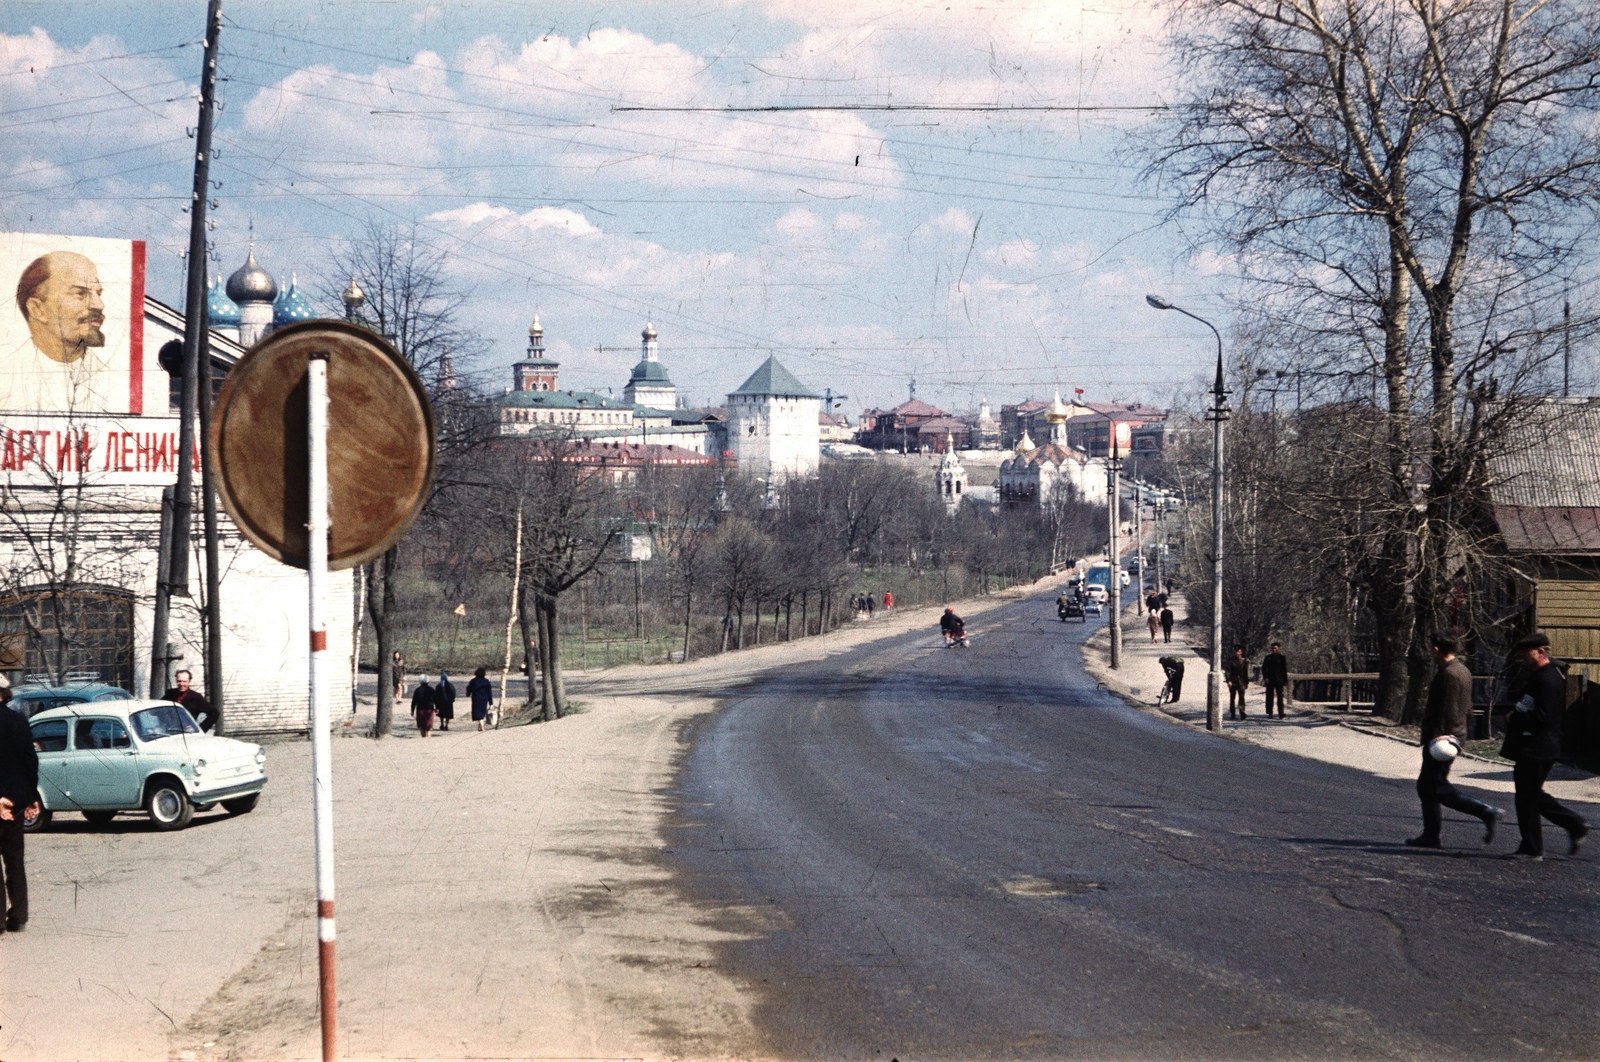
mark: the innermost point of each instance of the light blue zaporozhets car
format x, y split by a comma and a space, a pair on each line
104, 757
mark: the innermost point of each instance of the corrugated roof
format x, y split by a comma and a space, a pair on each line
1549, 529
1551, 459
773, 379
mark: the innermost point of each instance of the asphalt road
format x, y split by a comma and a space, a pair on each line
980, 853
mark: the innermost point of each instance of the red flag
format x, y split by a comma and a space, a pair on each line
1077, 390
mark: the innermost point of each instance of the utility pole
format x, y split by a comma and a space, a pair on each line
1566, 348
196, 354
1114, 577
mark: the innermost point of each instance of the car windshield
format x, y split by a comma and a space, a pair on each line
165, 721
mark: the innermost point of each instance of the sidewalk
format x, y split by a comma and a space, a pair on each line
1331, 737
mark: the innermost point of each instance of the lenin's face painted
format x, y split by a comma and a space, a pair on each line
66, 312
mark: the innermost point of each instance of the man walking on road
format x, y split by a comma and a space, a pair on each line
1275, 677
1449, 707
1166, 623
19, 798
1238, 675
1533, 741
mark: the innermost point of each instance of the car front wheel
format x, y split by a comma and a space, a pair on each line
168, 805
37, 821
242, 805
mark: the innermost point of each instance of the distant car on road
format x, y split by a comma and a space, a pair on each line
103, 757
1096, 594
30, 700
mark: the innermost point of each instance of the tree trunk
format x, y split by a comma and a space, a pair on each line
381, 606
739, 643
788, 618
688, 620
555, 684
805, 617
532, 639
757, 613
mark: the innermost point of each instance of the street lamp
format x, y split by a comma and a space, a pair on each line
1218, 415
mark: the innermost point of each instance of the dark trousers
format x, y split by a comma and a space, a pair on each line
1433, 786
1236, 699
1166, 631
1274, 691
1532, 802
16, 891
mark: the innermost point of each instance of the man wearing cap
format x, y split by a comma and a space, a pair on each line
1533, 741
1449, 706
19, 797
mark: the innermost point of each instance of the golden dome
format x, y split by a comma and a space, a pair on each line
1057, 411
1026, 446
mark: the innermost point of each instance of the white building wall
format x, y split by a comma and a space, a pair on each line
774, 437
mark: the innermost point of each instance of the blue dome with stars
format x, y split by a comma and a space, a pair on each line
221, 311
292, 306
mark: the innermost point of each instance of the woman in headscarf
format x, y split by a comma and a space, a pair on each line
480, 694
444, 699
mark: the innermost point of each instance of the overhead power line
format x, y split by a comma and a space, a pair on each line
984, 108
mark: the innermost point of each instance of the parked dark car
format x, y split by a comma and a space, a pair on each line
30, 700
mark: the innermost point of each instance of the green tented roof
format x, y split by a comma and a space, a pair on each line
773, 379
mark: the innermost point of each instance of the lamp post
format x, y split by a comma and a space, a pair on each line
1218, 415
1114, 574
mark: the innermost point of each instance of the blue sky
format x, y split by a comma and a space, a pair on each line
985, 254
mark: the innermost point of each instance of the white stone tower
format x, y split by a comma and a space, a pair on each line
773, 425
952, 478
649, 385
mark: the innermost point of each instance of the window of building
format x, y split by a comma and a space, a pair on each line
72, 635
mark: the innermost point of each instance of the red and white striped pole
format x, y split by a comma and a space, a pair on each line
321, 745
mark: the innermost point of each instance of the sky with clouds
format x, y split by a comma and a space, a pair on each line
984, 253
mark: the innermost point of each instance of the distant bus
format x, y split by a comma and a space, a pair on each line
1099, 574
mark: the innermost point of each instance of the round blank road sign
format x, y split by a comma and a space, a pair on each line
381, 447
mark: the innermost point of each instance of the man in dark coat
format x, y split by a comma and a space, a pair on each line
1275, 678
1449, 707
1533, 742
204, 715
1237, 674
19, 798
1166, 624
1172, 666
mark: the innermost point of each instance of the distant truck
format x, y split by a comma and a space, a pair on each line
1100, 575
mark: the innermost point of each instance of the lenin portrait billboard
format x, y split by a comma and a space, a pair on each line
71, 325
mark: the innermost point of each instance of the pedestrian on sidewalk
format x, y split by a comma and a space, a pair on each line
1154, 623
1238, 675
19, 799
1449, 706
480, 693
444, 700
888, 600
1275, 678
422, 706
1166, 623
398, 673
872, 605
1533, 743
1152, 601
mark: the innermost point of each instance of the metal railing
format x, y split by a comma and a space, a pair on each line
1348, 690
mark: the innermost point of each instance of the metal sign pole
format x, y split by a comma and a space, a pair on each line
321, 746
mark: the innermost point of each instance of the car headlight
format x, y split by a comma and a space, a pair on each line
199, 766
261, 757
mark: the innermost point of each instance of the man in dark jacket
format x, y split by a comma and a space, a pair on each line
205, 716
1237, 673
1449, 707
1533, 741
1166, 624
1275, 677
19, 798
